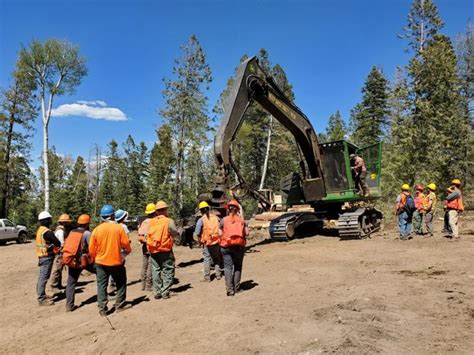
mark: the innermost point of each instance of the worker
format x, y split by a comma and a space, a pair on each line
47, 246
159, 240
404, 207
454, 205
232, 233
147, 282
430, 208
80, 237
207, 233
106, 243
420, 205
61, 232
120, 217
360, 172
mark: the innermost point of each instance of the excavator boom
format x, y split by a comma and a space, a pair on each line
252, 83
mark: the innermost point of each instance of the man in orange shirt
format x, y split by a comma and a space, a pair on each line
107, 241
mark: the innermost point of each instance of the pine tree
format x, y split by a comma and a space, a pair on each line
186, 108
17, 111
76, 190
439, 119
369, 117
423, 24
161, 167
336, 129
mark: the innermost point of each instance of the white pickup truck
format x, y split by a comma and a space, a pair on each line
11, 231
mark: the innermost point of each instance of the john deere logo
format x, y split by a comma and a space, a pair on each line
252, 68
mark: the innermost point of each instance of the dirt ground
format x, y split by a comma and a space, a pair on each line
312, 295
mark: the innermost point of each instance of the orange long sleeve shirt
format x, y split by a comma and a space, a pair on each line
106, 241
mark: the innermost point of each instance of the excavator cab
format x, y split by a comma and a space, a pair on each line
340, 185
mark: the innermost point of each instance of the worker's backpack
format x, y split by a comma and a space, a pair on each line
410, 204
75, 250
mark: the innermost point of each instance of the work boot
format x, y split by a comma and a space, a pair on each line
157, 296
46, 303
206, 278
230, 293
71, 309
166, 295
218, 276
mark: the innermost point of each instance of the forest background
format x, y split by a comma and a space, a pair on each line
423, 116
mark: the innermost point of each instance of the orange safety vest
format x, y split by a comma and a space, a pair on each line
159, 238
210, 230
42, 247
421, 201
233, 232
72, 250
456, 204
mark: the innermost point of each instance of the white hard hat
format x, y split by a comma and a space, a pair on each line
44, 215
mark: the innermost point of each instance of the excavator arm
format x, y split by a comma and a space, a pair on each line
252, 83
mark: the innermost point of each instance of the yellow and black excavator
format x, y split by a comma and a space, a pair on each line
326, 181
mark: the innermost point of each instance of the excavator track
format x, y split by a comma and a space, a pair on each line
295, 224
359, 223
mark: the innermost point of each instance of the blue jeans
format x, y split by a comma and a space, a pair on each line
404, 222
212, 255
45, 264
233, 258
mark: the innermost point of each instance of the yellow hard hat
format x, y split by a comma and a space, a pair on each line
432, 186
150, 208
405, 187
203, 204
64, 218
456, 182
161, 205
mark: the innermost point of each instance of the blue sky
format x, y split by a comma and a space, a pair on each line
327, 48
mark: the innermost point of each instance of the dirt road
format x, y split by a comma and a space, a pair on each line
312, 295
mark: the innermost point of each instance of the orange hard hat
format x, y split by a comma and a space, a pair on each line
64, 218
233, 203
84, 219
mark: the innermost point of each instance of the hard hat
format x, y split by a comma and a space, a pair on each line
120, 214
161, 205
84, 219
405, 187
432, 186
203, 204
233, 203
456, 182
150, 208
419, 187
64, 218
44, 215
352, 156
106, 211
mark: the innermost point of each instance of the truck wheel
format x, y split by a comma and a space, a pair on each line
21, 238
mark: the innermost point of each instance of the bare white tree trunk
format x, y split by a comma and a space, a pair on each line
267, 154
46, 116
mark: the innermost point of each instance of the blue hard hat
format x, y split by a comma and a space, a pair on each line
120, 214
106, 210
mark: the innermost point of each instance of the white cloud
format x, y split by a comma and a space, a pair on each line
97, 110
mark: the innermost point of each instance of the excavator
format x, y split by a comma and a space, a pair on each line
325, 182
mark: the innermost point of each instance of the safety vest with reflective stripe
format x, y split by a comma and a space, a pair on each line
42, 247
233, 233
456, 204
159, 238
210, 229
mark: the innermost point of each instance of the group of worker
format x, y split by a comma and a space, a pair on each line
104, 251
417, 212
